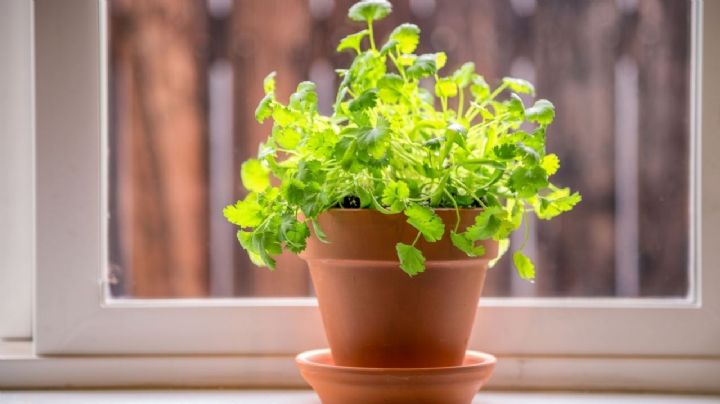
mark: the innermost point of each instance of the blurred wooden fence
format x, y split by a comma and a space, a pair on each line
617, 72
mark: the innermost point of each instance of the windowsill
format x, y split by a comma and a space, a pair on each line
308, 397
20, 369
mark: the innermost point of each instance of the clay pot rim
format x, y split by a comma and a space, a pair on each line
483, 359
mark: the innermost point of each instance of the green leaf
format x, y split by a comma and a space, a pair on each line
294, 233
503, 246
366, 100
505, 151
269, 83
556, 203
543, 112
550, 163
479, 88
373, 141
446, 87
466, 245
440, 60
264, 108
304, 98
287, 138
389, 45
254, 176
245, 213
526, 181
519, 85
406, 36
515, 107
525, 267
369, 10
426, 221
464, 75
319, 233
487, 223
353, 41
426, 65
245, 239
395, 195
390, 88
294, 191
411, 259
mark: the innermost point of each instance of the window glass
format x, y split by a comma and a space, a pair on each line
185, 77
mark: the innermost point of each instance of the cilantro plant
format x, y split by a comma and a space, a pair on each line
406, 136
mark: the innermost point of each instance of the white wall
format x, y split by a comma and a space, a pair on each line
16, 169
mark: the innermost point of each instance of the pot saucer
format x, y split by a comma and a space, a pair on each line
358, 385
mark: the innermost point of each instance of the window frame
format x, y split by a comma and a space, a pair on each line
74, 317
16, 170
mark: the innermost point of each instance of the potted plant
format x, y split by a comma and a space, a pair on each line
402, 197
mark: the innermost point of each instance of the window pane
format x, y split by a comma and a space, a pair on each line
185, 77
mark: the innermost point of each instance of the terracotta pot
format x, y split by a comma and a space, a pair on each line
348, 385
375, 315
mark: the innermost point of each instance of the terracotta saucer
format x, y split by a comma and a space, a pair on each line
357, 385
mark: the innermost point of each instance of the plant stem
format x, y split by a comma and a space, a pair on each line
416, 239
371, 35
457, 210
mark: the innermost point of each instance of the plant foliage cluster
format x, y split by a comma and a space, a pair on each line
406, 136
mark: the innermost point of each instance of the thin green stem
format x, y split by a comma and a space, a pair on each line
417, 237
371, 35
457, 210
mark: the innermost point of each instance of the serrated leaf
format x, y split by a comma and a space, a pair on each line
264, 108
542, 112
550, 163
411, 259
254, 176
374, 140
526, 181
446, 87
464, 75
389, 45
283, 116
505, 151
395, 195
390, 87
466, 245
426, 221
245, 239
294, 233
369, 10
519, 85
525, 267
487, 223
406, 36
556, 203
287, 138
304, 98
515, 107
366, 100
352, 41
319, 233
269, 83
479, 88
503, 246
426, 65
245, 213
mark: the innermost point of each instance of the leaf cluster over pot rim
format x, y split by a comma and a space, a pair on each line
406, 136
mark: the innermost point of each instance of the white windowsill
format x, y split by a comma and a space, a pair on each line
20, 369
308, 397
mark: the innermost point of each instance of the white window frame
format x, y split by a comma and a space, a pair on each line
17, 211
559, 343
